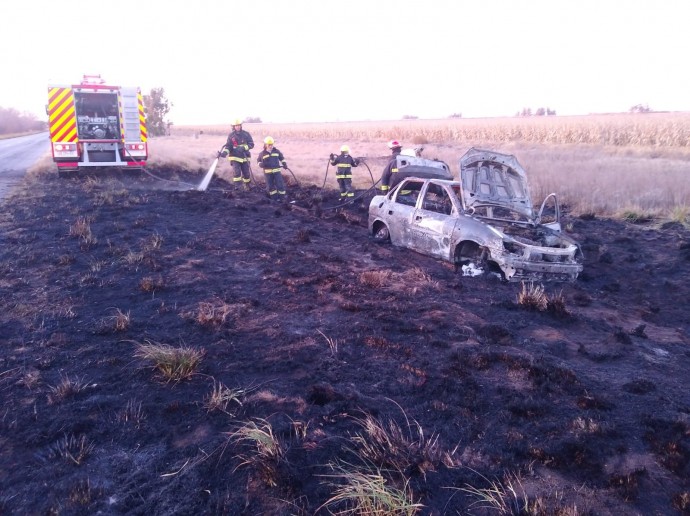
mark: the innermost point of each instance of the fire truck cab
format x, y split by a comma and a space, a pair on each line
93, 124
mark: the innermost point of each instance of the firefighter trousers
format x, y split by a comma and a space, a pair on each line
274, 182
240, 172
345, 185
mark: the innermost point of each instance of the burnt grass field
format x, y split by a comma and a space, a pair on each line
169, 351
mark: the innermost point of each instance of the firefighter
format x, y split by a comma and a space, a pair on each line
271, 160
237, 149
388, 177
344, 163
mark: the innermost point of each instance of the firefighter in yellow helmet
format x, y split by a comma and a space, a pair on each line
388, 177
271, 160
237, 149
343, 164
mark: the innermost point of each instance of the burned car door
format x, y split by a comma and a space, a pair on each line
400, 208
434, 219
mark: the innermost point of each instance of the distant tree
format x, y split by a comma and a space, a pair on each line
12, 122
455, 115
539, 112
639, 108
410, 117
157, 107
253, 119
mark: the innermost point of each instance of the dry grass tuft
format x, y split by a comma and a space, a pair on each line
174, 364
221, 397
387, 446
81, 229
66, 388
507, 497
132, 413
636, 215
82, 493
153, 243
151, 284
532, 297
375, 279
680, 214
261, 449
212, 313
73, 449
216, 312
133, 258
121, 320
367, 492
555, 305
115, 323
332, 343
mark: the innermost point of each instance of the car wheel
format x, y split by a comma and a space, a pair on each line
382, 235
471, 252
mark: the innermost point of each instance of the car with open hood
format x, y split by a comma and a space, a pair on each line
485, 220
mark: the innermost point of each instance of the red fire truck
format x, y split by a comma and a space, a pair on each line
93, 124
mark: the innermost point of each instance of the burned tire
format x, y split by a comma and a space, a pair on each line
472, 253
381, 234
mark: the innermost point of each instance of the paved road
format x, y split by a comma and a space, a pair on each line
18, 154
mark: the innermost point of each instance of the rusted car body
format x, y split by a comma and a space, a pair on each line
486, 219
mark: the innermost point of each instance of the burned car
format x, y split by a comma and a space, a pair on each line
486, 219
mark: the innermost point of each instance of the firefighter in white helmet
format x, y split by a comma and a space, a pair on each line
271, 160
237, 149
388, 176
343, 164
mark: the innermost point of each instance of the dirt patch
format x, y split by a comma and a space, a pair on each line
317, 338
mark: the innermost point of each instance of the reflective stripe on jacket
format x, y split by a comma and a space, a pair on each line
344, 164
238, 145
271, 161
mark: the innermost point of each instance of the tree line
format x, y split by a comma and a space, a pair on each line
14, 122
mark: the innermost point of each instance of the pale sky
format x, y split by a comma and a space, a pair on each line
328, 60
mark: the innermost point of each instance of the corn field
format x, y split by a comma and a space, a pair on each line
620, 130
603, 164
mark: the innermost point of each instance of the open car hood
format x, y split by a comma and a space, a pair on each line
490, 178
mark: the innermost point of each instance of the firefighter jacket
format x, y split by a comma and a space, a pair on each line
238, 145
271, 160
344, 163
388, 177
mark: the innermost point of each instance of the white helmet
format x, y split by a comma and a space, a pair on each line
345, 149
394, 144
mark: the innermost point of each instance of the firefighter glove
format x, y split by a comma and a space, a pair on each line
332, 156
284, 165
224, 153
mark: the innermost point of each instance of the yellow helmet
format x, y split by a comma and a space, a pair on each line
269, 140
345, 149
236, 121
